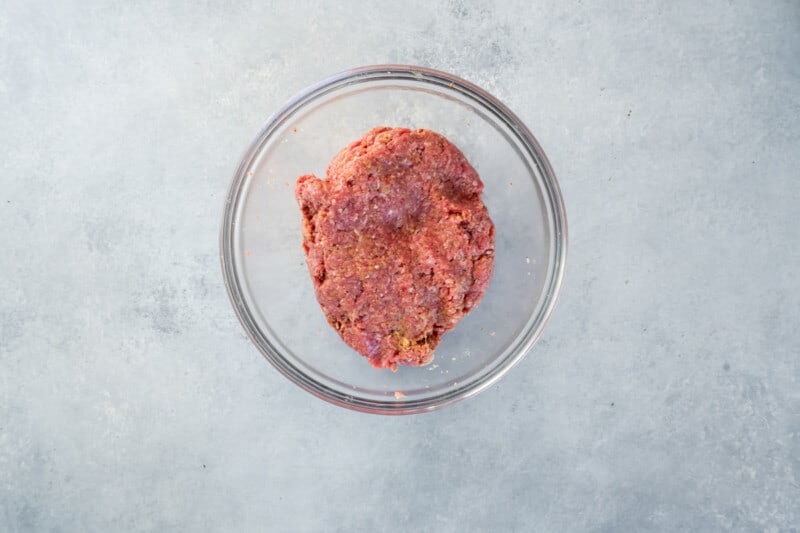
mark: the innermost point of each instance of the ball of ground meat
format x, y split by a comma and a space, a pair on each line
398, 242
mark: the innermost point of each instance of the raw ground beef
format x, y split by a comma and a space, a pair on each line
398, 243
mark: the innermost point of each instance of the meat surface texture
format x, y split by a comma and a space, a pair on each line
398, 243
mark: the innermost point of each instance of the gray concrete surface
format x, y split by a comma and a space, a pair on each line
663, 396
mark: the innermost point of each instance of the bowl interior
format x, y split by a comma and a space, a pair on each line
271, 286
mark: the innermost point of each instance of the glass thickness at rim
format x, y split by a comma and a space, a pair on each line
486, 104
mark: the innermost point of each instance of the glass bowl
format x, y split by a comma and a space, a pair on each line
264, 265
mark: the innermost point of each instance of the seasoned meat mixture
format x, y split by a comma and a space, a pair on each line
398, 243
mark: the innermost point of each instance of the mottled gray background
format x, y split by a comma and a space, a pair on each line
664, 395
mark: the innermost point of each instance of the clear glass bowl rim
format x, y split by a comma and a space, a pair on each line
481, 98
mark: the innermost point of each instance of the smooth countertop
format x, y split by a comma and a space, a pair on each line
664, 394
